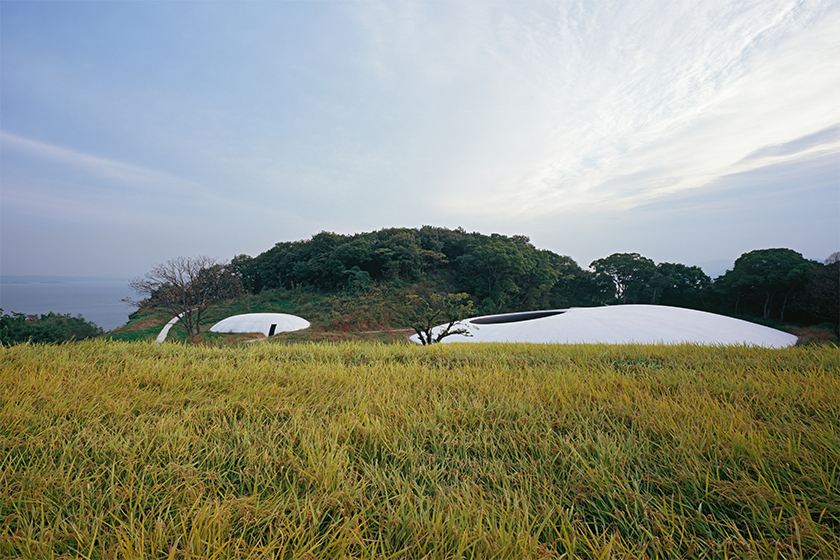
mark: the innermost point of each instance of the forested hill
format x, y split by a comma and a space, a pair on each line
500, 273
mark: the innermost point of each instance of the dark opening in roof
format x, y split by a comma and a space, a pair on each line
515, 317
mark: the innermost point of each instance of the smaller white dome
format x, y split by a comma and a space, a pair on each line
266, 323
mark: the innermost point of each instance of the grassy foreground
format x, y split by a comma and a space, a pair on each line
361, 450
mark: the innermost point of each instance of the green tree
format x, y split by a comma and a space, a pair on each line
506, 273
446, 310
769, 275
358, 280
247, 269
400, 254
48, 328
574, 286
679, 285
821, 294
355, 255
630, 273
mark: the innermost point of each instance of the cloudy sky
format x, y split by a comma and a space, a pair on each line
692, 132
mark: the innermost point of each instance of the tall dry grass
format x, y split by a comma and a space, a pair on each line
133, 450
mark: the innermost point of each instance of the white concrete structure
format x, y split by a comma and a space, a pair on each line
266, 323
620, 324
165, 331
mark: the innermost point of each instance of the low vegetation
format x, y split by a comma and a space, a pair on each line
49, 327
364, 450
386, 310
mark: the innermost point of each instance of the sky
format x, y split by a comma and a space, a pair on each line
690, 132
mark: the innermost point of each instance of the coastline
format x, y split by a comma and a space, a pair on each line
96, 299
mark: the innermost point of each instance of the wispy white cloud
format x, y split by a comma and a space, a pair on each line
119, 175
828, 135
279, 119
611, 103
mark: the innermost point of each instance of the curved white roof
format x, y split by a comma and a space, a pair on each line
260, 322
620, 324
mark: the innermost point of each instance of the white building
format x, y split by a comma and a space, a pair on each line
620, 324
267, 323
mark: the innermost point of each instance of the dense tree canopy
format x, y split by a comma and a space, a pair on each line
500, 273
770, 276
574, 286
507, 273
679, 285
47, 328
631, 273
822, 293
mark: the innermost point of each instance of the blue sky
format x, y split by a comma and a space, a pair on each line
692, 132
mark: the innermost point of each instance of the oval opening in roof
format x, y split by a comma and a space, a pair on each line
515, 317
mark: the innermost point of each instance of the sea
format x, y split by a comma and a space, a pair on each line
98, 300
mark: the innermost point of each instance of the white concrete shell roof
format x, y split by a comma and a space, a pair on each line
260, 322
620, 324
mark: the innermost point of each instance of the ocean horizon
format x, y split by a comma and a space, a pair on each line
96, 299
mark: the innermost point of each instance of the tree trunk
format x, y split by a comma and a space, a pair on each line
197, 327
768, 303
784, 304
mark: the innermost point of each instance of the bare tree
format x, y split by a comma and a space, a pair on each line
186, 287
450, 308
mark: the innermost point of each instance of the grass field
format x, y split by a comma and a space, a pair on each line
364, 450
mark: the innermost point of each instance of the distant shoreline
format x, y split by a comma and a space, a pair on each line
97, 299
36, 279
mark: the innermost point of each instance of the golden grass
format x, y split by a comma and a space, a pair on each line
363, 450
